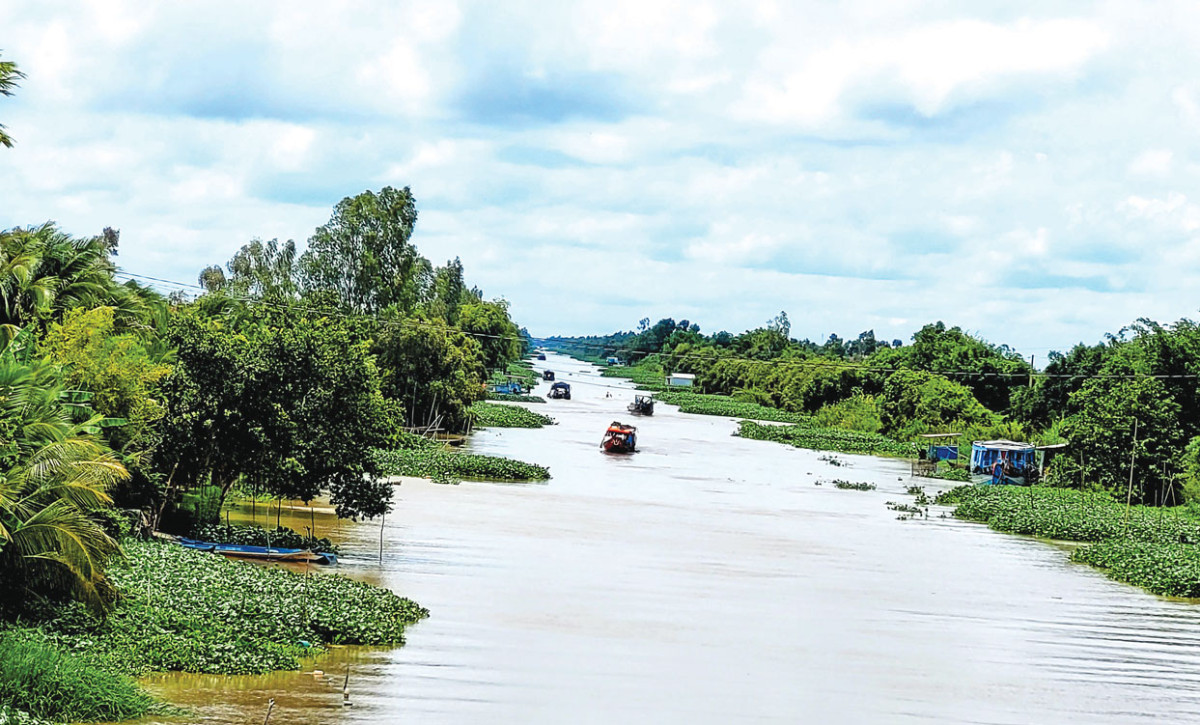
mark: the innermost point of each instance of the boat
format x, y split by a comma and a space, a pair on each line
560, 391
263, 553
547, 375
510, 388
642, 405
541, 356
619, 438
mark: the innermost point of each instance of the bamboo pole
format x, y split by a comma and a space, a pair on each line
1132, 458
270, 707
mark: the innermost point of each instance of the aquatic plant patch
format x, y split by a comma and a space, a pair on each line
511, 398
182, 610
723, 405
853, 486
494, 415
826, 439
445, 466
1170, 569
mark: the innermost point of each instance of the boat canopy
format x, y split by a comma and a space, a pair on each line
1018, 456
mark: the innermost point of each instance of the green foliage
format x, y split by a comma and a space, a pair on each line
507, 416
262, 270
189, 611
827, 439
289, 402
853, 486
434, 371
858, 412
444, 465
701, 404
363, 257
53, 474
122, 372
1169, 569
915, 401
1191, 470
245, 534
490, 325
510, 398
1100, 429
40, 679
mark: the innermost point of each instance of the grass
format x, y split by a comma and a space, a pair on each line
493, 415
827, 439
703, 404
49, 684
1154, 548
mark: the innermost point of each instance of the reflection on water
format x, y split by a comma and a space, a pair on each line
708, 579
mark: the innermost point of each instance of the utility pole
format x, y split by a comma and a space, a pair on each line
1031, 371
1132, 457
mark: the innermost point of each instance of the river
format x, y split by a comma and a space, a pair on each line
710, 579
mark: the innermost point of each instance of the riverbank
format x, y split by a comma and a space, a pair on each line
1156, 548
186, 611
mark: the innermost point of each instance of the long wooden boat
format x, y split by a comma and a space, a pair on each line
264, 553
619, 438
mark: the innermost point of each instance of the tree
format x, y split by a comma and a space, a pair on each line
490, 325
915, 401
1100, 427
363, 254
448, 292
54, 475
262, 270
287, 402
9, 75
431, 369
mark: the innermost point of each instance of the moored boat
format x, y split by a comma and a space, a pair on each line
619, 438
560, 391
267, 553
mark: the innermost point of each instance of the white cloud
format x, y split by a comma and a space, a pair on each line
1152, 162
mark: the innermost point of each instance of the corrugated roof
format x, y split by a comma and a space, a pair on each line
1004, 445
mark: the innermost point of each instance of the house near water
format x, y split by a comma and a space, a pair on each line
681, 380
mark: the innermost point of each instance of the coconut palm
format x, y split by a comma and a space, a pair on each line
54, 474
9, 75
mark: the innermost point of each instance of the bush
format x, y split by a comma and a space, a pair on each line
39, 679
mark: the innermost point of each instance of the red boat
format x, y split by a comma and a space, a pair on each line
619, 439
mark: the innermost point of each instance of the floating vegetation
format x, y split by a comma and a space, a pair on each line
922, 498
701, 404
832, 460
827, 439
511, 398
858, 486
1157, 548
445, 466
494, 415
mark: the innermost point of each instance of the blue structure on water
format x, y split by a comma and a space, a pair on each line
1016, 460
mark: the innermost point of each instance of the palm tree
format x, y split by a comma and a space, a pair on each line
9, 75
54, 477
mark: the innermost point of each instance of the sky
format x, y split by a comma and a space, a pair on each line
1025, 170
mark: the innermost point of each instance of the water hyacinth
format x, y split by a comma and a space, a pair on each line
444, 465
701, 404
492, 415
827, 439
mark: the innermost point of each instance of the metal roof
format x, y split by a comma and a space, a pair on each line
1004, 445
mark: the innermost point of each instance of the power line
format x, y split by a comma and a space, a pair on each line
672, 357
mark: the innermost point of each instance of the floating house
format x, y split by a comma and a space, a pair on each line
1017, 460
681, 380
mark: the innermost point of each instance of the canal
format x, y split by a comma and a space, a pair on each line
711, 579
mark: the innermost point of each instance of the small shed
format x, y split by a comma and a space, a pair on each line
1018, 458
681, 380
613, 360
941, 446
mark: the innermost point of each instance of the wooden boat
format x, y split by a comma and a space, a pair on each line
619, 438
263, 553
642, 405
560, 391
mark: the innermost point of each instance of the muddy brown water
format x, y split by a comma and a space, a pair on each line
709, 579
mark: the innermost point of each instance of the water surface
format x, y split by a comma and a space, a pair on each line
710, 579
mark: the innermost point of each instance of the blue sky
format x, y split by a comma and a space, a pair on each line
1024, 170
